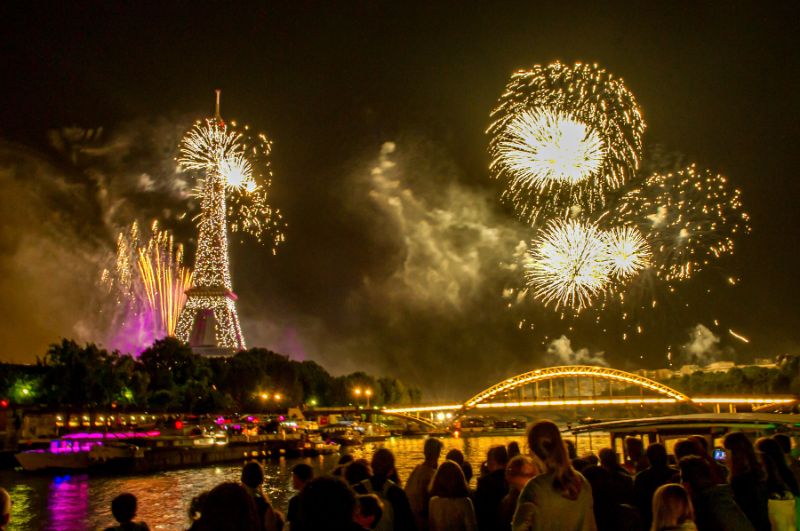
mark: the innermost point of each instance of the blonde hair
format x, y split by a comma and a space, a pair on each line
671, 507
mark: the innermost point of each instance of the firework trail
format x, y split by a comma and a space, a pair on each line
164, 277
690, 218
562, 137
149, 282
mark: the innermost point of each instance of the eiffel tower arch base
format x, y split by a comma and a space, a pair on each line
209, 322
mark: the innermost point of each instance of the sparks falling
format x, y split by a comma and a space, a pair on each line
690, 217
562, 137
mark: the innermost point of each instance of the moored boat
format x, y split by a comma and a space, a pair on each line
82, 451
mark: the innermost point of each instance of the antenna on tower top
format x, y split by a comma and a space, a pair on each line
217, 115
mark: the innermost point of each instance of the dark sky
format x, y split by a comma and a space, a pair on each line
396, 272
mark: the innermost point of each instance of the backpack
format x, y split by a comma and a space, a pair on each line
386, 523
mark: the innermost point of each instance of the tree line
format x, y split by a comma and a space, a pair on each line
753, 380
168, 376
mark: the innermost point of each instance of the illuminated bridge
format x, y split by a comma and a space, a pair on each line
583, 385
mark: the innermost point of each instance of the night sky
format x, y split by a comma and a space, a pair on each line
395, 271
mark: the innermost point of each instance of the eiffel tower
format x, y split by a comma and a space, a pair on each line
209, 322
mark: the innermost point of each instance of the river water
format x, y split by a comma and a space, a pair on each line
79, 502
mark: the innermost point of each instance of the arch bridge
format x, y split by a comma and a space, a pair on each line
585, 385
574, 385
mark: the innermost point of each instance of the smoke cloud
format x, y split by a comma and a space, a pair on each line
560, 352
443, 255
702, 347
60, 210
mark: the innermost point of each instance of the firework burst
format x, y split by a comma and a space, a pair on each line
224, 152
149, 282
562, 137
628, 251
568, 264
690, 217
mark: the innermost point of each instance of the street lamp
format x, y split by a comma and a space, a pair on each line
368, 393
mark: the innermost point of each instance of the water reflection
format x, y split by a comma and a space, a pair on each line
78, 502
68, 503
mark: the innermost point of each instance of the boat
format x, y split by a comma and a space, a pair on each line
82, 451
372, 431
713, 426
342, 434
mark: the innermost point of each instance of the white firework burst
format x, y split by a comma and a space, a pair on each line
628, 251
568, 264
540, 147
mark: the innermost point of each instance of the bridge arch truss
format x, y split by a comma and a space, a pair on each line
665, 394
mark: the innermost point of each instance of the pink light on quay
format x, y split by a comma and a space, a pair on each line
112, 435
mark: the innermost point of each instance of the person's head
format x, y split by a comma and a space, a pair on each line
672, 506
777, 470
685, 448
741, 454
513, 449
432, 449
301, 474
770, 447
369, 510
357, 471
449, 482
634, 447
383, 463
657, 455
784, 441
695, 473
123, 507
497, 458
455, 455
5, 508
326, 503
519, 470
701, 442
546, 443
608, 459
253, 474
228, 507
572, 452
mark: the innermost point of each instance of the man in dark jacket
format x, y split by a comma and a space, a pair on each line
492, 488
648, 480
396, 506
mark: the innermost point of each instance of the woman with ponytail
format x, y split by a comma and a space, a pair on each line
559, 498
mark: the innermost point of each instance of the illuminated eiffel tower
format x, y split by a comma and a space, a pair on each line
209, 322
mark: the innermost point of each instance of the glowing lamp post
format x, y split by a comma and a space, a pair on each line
368, 394
357, 392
